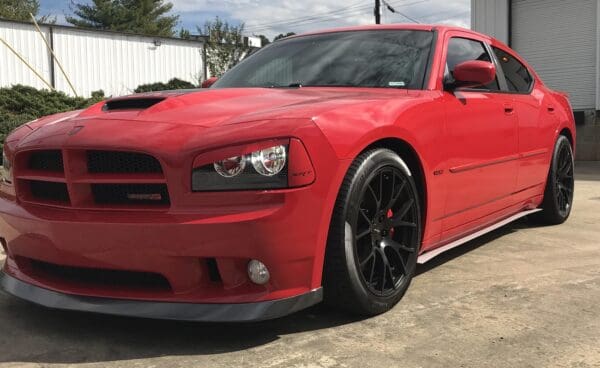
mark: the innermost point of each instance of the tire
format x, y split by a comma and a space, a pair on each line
374, 235
558, 195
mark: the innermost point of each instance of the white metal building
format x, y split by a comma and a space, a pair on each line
114, 62
561, 40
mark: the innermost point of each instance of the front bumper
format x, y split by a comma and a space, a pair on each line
243, 312
180, 246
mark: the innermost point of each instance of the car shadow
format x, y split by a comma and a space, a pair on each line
39, 335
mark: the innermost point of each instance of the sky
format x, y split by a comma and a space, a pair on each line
272, 17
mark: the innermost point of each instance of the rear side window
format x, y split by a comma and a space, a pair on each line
463, 49
516, 74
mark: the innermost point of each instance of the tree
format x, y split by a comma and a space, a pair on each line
20, 10
281, 35
225, 46
185, 34
264, 41
148, 17
170, 85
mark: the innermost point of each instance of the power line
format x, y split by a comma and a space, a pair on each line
328, 18
351, 8
447, 16
331, 16
390, 8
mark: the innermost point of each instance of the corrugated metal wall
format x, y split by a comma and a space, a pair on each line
491, 17
558, 38
28, 43
113, 62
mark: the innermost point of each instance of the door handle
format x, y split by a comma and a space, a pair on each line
509, 109
550, 108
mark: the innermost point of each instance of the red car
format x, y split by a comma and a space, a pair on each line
322, 167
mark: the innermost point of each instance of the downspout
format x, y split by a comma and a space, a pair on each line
510, 21
597, 60
204, 59
51, 57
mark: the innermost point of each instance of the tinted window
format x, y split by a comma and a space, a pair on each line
390, 58
462, 49
517, 77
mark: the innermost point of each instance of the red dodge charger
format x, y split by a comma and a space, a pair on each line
322, 167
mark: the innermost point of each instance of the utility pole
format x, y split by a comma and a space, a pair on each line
377, 11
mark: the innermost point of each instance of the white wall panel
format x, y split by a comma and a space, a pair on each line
113, 62
118, 63
27, 42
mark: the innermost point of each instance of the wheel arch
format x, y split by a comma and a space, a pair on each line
567, 133
410, 157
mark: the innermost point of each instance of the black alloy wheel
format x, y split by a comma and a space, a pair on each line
385, 231
564, 180
374, 236
560, 186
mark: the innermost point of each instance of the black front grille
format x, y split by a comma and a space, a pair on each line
149, 194
48, 191
121, 162
47, 160
103, 277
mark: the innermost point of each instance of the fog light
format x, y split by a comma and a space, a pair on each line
258, 272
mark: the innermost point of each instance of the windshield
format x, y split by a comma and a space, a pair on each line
382, 58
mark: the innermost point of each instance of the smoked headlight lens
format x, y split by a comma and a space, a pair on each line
261, 169
269, 161
231, 166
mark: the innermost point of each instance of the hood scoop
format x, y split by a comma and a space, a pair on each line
131, 103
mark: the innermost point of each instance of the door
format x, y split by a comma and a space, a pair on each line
536, 121
481, 143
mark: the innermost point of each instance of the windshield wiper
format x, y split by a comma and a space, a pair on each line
300, 85
274, 85
329, 85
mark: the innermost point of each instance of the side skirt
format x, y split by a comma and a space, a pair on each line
437, 251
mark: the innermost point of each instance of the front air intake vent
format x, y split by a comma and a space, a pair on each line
121, 162
46, 160
131, 103
131, 194
46, 191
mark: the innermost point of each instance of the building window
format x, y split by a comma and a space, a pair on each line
463, 49
516, 74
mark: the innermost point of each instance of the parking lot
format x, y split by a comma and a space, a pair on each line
522, 296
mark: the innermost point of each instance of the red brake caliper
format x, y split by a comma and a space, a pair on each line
390, 214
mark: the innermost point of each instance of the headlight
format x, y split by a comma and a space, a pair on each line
263, 165
231, 166
269, 161
6, 172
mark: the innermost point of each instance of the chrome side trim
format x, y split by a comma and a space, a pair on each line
437, 251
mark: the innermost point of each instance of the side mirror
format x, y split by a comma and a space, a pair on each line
209, 82
473, 73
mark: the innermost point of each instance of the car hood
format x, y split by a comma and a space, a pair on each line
211, 107
155, 119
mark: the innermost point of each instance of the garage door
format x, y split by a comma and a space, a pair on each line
558, 38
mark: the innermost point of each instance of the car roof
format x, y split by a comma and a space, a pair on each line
397, 26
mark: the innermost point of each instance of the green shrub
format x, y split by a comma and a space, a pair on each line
20, 104
170, 85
